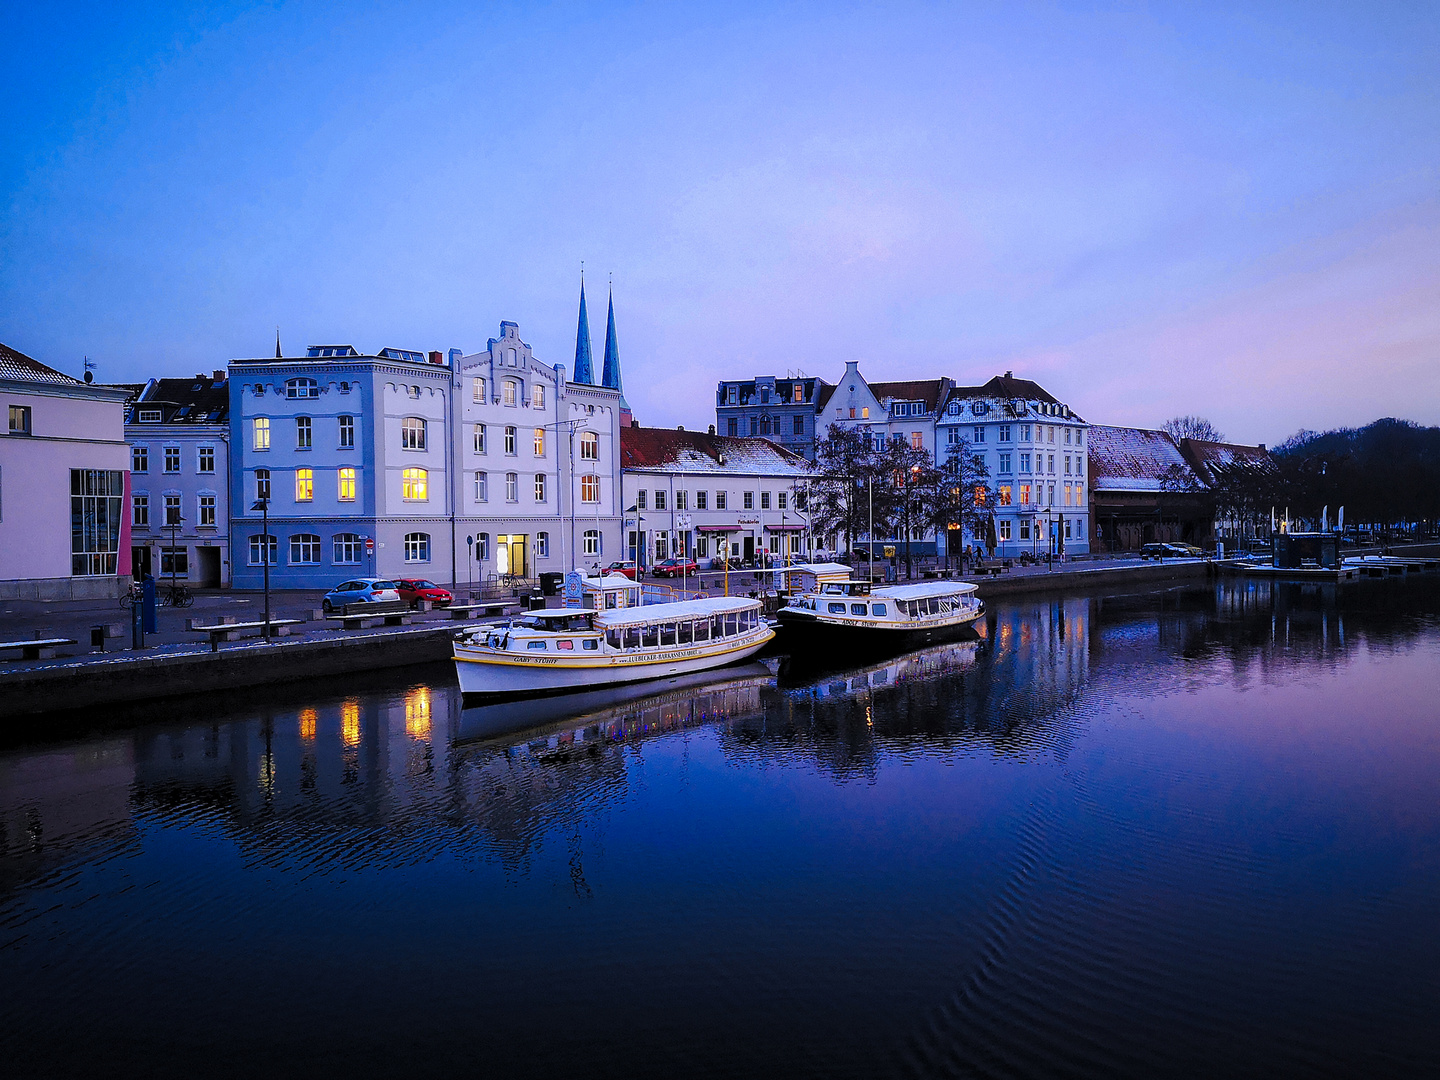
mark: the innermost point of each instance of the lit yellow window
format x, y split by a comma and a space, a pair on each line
539, 442
347, 485
416, 485
1004, 494
590, 488
304, 485
262, 432
917, 441
865, 413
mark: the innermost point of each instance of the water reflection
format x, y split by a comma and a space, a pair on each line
966, 831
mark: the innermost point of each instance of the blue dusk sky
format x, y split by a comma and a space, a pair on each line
1150, 209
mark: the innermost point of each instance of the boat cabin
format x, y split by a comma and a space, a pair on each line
1306, 551
845, 588
607, 592
685, 623
808, 577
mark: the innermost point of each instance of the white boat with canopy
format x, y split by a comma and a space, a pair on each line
853, 611
608, 644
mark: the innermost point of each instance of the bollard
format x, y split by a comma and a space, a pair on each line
137, 627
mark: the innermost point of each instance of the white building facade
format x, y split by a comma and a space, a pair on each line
711, 497
1035, 449
64, 467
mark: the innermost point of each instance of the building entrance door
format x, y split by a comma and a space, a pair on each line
209, 560
140, 562
510, 554
749, 548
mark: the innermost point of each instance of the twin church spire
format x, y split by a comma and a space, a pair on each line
584, 364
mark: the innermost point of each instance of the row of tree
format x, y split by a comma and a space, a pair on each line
896, 490
1386, 475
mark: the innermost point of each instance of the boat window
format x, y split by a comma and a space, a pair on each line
702, 630
535, 644
566, 644
590, 644
610, 599
650, 637
667, 634
857, 609
612, 638
632, 637
687, 633
717, 626
879, 609
731, 626
837, 609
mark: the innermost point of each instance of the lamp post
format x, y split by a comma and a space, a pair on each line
263, 505
174, 524
1050, 536
571, 425
870, 536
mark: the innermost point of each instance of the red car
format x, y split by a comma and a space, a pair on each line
626, 568
413, 590
675, 568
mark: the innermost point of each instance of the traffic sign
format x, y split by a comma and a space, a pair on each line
369, 545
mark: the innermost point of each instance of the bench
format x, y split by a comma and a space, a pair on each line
471, 611
37, 648
352, 616
229, 631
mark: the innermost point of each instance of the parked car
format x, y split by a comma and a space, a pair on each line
413, 590
360, 591
1186, 551
675, 567
626, 568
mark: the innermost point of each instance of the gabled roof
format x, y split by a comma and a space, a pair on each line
926, 390
696, 451
198, 400
1211, 460
1133, 459
823, 395
16, 365
1006, 388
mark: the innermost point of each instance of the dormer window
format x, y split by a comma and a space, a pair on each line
980, 408
954, 408
301, 388
151, 416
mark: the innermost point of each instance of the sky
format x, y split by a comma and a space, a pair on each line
1151, 209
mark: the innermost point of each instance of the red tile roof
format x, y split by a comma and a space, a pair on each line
652, 448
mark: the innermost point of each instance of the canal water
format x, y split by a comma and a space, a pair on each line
1192, 832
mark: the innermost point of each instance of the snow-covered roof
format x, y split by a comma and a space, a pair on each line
16, 365
1211, 460
1132, 459
683, 609
666, 450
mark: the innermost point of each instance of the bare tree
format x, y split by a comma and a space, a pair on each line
1192, 427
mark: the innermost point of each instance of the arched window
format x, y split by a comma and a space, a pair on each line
263, 548
477, 388
482, 487
304, 549
592, 541
412, 433
510, 392
764, 425
417, 547
415, 485
347, 549
301, 388
589, 446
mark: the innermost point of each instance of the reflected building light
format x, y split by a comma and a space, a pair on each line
417, 712
307, 725
350, 723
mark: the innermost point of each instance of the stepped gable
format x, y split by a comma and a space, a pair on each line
697, 451
16, 365
1132, 459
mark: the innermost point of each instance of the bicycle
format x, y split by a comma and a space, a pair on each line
179, 596
132, 596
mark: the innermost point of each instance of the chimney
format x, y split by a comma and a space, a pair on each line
218, 376
712, 429
1009, 374
437, 357
679, 427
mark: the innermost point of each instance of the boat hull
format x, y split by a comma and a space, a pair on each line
803, 631
481, 670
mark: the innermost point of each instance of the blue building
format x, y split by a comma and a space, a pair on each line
353, 453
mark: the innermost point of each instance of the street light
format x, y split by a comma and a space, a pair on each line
174, 524
1050, 536
263, 505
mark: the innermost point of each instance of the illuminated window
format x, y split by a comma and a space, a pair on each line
1024, 494
539, 442
415, 485
260, 433
590, 488
304, 485
917, 441
347, 485
1004, 494
412, 433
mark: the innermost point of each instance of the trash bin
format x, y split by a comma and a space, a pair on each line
550, 583
97, 636
535, 601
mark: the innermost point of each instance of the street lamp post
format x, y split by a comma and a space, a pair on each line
1050, 536
263, 505
174, 524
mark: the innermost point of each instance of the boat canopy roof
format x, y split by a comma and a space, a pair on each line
926, 589
819, 569
684, 609
609, 581
559, 613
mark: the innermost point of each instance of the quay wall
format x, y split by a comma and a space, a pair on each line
1148, 575
121, 678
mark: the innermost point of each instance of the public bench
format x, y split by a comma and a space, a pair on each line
37, 648
393, 612
229, 631
489, 611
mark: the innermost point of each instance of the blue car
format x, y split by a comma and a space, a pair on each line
359, 591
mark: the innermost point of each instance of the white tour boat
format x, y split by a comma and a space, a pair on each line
565, 648
854, 613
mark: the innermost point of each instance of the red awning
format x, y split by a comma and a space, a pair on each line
717, 528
